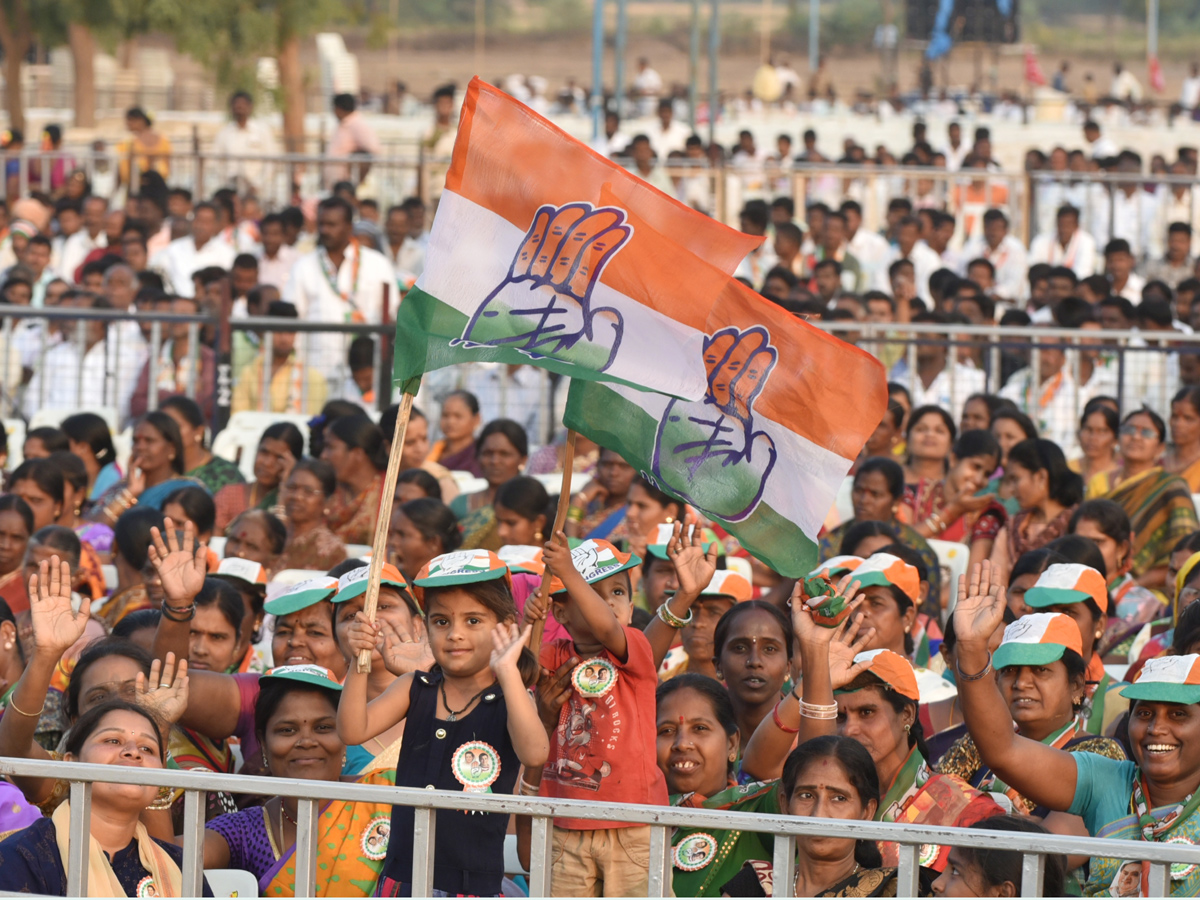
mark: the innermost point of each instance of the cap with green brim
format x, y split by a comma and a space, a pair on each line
305, 673
666, 532
302, 596
1037, 639
462, 567
596, 560
354, 583
1065, 583
1168, 679
522, 558
240, 571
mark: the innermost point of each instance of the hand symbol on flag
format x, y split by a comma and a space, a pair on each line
707, 452
543, 307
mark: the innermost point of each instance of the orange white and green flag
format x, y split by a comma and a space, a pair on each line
535, 257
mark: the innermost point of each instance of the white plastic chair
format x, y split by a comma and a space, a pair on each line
358, 551
217, 546
54, 417
232, 882
468, 483
110, 576
15, 430
238, 440
953, 559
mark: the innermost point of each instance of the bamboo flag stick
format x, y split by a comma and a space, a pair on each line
560, 518
379, 546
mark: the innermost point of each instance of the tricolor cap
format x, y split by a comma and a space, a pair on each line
354, 583
245, 571
597, 559
893, 670
666, 533
306, 673
883, 568
836, 567
1068, 583
522, 558
1037, 639
727, 583
302, 596
460, 567
1168, 679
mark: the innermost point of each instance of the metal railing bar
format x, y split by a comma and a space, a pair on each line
783, 867
306, 840
424, 833
659, 883
541, 856
906, 875
79, 839
193, 843
1033, 870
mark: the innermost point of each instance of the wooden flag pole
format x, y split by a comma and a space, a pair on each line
379, 547
560, 518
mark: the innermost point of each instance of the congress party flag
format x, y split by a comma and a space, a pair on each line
786, 409
544, 252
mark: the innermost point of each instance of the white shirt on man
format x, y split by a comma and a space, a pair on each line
277, 270
75, 250
106, 376
1010, 261
953, 397
255, 139
183, 258
1079, 255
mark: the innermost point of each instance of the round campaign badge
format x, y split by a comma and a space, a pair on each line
476, 765
594, 677
375, 837
695, 851
929, 854
1181, 871
146, 887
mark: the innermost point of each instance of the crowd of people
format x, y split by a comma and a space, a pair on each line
1053, 689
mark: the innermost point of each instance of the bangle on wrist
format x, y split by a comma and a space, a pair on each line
986, 669
819, 710
29, 715
181, 614
526, 789
779, 722
670, 619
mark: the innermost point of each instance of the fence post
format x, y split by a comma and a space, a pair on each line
1033, 870
1159, 880
79, 839
193, 843
906, 876
660, 862
540, 857
783, 867
152, 369
424, 834
306, 847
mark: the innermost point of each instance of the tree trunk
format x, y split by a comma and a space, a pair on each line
291, 81
16, 36
83, 51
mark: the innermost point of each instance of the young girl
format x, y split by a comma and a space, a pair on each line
470, 723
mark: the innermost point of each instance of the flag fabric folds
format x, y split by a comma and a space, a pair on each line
533, 258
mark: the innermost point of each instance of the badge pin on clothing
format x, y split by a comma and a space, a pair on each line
594, 677
375, 837
695, 851
476, 765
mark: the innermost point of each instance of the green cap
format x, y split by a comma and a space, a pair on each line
1168, 679
302, 596
306, 673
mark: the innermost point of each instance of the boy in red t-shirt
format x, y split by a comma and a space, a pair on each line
603, 747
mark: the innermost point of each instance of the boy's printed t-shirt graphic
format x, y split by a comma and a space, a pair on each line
603, 747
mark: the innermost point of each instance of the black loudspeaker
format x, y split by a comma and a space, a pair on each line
972, 20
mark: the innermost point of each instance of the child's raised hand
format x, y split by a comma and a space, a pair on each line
553, 689
508, 640
693, 567
557, 555
535, 608
362, 634
402, 653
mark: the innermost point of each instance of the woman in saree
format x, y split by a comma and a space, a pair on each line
1098, 428
213, 472
1152, 797
354, 448
16, 528
295, 717
460, 419
155, 469
1184, 458
503, 448
598, 511
872, 697
91, 440
279, 449
1159, 504
1162, 633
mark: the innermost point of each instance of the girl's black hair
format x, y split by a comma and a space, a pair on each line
101, 649
289, 434
131, 534
1155, 419
860, 769
188, 408
359, 432
1111, 420
931, 409
1187, 630
89, 428
1109, 516
135, 622
998, 866
60, 539
198, 504
87, 724
321, 470
891, 470
74, 472
711, 690
993, 403
223, 595
332, 410
468, 399
423, 480
976, 443
735, 612
1189, 542
1077, 549
512, 431
496, 597
526, 497
1033, 562
271, 693
660, 497
1065, 487
44, 473
1015, 415
52, 438
169, 429
435, 521
860, 531
13, 503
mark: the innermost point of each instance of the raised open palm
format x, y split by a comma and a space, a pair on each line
166, 691
402, 653
980, 608
181, 567
848, 641
56, 624
694, 568
507, 643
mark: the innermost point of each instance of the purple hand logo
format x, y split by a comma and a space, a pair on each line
707, 451
543, 307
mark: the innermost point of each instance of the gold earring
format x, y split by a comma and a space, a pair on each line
670, 520
537, 536
733, 757
907, 728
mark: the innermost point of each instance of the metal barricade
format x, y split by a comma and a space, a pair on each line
1158, 855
